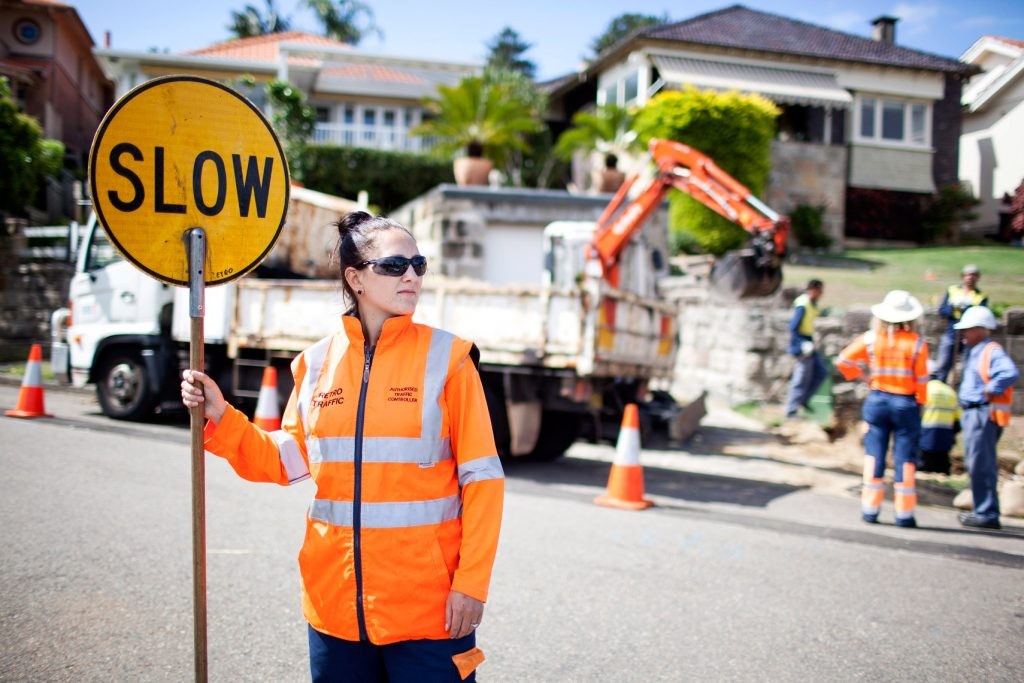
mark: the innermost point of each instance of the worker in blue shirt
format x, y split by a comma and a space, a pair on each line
985, 399
809, 369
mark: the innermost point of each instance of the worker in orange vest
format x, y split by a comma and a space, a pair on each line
986, 396
896, 358
389, 419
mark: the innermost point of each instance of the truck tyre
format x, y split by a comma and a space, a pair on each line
123, 387
558, 431
499, 418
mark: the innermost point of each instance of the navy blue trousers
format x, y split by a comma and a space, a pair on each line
333, 660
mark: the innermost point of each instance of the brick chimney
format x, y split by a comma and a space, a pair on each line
884, 29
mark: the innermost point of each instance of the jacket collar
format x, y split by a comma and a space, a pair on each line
392, 331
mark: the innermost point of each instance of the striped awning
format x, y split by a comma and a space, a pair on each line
789, 86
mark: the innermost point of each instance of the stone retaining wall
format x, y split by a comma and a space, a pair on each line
738, 351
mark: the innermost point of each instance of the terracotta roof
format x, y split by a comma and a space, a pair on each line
1008, 41
743, 28
48, 3
370, 72
262, 48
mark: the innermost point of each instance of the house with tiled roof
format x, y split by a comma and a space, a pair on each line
868, 128
46, 54
991, 163
360, 99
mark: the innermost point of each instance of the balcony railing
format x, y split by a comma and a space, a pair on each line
374, 137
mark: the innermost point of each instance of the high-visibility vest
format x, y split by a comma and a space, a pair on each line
942, 408
409, 486
897, 363
1000, 405
957, 292
806, 327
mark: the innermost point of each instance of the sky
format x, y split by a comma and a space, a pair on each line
560, 33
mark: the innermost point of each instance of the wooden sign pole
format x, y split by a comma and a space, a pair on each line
195, 246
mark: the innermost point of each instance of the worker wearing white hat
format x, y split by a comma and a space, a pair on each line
958, 299
985, 396
897, 360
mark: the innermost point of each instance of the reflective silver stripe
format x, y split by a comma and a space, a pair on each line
480, 469
379, 449
1000, 407
291, 456
433, 382
427, 448
923, 379
893, 372
388, 515
315, 357
874, 487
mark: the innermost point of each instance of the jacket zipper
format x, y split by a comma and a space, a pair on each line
357, 494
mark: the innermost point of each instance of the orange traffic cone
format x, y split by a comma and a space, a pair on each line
268, 410
626, 481
30, 398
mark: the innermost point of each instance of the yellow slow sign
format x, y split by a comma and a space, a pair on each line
182, 152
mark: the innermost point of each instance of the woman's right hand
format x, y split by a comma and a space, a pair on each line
208, 394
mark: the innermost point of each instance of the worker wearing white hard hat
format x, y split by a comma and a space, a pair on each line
897, 359
985, 398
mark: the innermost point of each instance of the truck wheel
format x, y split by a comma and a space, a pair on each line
558, 431
123, 388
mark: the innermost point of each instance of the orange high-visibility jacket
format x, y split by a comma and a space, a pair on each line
409, 486
897, 363
1001, 405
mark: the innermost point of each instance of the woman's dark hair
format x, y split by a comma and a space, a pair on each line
357, 235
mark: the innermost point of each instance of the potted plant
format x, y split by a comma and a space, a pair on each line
483, 117
605, 133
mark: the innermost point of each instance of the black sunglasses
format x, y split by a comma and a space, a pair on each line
395, 266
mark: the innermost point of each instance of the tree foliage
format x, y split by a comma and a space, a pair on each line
251, 21
735, 130
505, 53
621, 26
346, 20
294, 121
495, 111
26, 158
608, 130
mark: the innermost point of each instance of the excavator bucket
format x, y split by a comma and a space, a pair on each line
739, 275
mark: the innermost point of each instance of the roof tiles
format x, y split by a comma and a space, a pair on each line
743, 28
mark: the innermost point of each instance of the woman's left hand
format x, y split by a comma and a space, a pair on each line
462, 614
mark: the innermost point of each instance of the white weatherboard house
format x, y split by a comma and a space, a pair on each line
991, 158
361, 99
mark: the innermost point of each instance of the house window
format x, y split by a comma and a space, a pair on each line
867, 118
611, 94
323, 115
629, 87
893, 121
389, 118
350, 114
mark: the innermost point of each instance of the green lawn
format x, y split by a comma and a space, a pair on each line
862, 276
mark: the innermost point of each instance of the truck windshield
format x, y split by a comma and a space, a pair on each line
101, 252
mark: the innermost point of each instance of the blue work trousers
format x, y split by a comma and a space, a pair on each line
333, 660
980, 436
892, 416
808, 374
944, 359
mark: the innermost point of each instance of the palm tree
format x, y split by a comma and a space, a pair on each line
481, 116
607, 131
251, 22
340, 19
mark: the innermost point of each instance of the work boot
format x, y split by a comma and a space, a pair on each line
971, 520
907, 523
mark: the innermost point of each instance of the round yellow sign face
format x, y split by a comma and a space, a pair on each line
183, 152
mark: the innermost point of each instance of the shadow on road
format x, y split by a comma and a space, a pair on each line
682, 486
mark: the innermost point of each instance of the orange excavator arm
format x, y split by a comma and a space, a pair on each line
694, 173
